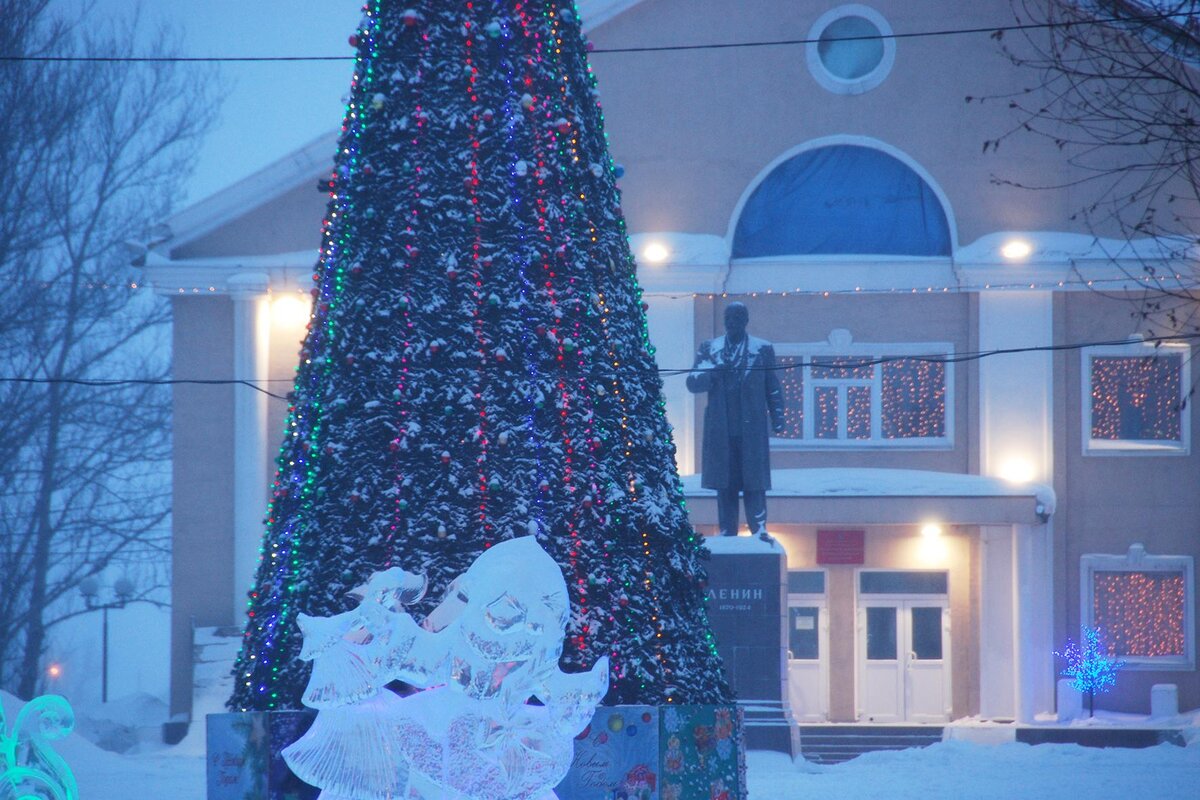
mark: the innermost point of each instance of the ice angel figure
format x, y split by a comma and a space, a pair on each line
495, 717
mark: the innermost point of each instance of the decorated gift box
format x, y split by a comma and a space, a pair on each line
244, 756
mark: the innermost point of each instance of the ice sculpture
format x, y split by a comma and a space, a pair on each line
495, 717
29, 766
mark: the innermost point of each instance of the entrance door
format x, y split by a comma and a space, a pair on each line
903, 660
808, 647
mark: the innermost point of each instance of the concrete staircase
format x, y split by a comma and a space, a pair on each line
833, 744
215, 650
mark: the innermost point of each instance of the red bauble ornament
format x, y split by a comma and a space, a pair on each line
353, 40
445, 457
410, 17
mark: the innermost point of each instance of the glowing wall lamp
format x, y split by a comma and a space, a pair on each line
291, 310
932, 547
1018, 470
655, 252
1016, 250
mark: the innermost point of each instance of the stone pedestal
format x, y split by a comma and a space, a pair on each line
747, 608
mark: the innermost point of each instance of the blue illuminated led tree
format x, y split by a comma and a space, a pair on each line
1091, 669
477, 365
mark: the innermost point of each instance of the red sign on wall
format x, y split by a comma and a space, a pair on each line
840, 546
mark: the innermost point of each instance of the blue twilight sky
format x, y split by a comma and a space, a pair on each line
270, 109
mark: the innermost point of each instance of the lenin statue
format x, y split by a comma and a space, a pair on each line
738, 372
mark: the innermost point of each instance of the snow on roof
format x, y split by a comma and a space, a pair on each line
1056, 247
871, 482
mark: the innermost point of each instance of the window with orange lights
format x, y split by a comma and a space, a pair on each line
849, 394
1144, 607
1135, 399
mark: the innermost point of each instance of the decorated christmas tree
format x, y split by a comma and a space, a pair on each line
477, 366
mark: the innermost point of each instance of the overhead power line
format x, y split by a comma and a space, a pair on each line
950, 358
670, 48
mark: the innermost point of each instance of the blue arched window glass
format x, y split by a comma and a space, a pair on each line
842, 200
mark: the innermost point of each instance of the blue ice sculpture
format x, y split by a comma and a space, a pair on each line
30, 769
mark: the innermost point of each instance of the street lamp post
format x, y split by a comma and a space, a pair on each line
122, 590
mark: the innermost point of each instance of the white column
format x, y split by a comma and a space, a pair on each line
251, 321
1015, 389
672, 332
1034, 609
997, 634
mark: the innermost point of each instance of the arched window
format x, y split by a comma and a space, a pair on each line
842, 200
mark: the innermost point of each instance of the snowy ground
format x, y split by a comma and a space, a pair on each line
962, 770
953, 769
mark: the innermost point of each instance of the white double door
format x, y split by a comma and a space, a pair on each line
903, 654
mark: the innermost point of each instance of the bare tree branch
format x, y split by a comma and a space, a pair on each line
1121, 100
93, 155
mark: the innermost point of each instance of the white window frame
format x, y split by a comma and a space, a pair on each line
834, 83
1136, 447
840, 344
1137, 560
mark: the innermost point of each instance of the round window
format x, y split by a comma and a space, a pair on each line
850, 49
